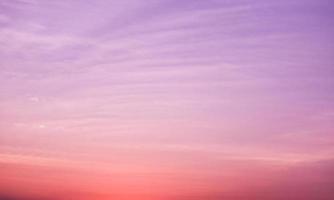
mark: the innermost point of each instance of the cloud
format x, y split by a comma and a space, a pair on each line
235, 91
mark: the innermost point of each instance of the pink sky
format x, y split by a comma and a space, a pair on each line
166, 100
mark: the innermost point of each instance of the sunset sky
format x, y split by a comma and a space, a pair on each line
166, 100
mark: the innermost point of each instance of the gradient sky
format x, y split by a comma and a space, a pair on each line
166, 100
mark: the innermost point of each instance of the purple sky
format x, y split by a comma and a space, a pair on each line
239, 93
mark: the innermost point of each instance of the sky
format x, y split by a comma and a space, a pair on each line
166, 100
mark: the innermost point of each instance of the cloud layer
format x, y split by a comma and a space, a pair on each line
177, 100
